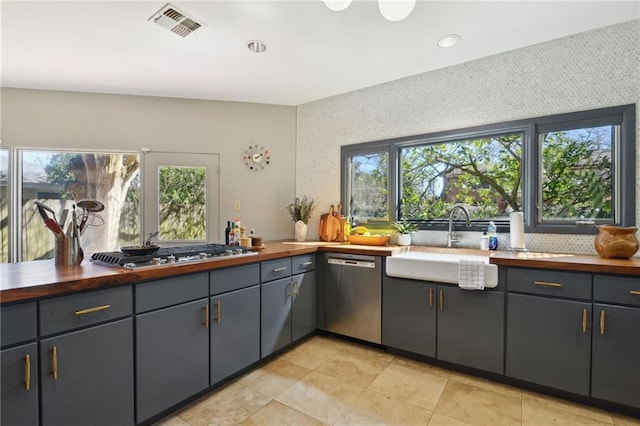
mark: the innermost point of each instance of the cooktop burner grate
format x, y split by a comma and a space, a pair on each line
183, 252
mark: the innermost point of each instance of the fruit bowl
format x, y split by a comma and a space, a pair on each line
370, 240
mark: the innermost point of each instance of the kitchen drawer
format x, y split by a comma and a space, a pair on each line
80, 310
550, 283
303, 263
18, 322
616, 289
275, 269
171, 291
235, 278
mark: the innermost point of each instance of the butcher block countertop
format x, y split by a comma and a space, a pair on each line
38, 279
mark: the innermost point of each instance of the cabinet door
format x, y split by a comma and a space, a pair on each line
235, 332
172, 363
19, 385
549, 342
275, 315
471, 328
409, 315
615, 372
303, 317
86, 376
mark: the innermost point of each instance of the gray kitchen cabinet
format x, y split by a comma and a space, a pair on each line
172, 342
615, 370
549, 328
19, 385
409, 315
445, 322
303, 311
549, 342
86, 376
288, 305
235, 331
19, 365
275, 314
470, 328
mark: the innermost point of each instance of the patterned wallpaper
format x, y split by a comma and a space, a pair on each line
595, 69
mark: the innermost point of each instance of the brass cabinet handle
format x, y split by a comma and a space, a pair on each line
306, 264
54, 362
441, 300
547, 284
635, 292
206, 315
584, 320
27, 372
218, 311
601, 322
284, 268
297, 288
94, 309
431, 298
290, 290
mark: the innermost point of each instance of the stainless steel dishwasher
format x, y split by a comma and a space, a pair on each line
353, 295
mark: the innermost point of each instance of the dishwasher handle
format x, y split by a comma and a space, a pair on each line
351, 262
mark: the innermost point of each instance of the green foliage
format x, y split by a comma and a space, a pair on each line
301, 209
369, 187
404, 227
182, 193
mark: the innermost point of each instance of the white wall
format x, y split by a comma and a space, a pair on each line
590, 70
49, 119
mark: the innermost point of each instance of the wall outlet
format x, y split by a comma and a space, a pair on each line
236, 205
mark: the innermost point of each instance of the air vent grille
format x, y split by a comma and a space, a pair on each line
175, 21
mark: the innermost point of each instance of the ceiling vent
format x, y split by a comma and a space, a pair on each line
176, 21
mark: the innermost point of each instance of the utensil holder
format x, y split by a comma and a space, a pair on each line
68, 251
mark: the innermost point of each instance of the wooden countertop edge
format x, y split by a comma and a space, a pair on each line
41, 279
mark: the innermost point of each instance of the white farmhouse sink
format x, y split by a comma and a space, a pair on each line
438, 267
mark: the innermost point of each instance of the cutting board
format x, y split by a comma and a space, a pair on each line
329, 228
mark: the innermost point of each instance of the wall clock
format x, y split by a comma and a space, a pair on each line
256, 157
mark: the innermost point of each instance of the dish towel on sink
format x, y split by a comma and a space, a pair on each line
471, 275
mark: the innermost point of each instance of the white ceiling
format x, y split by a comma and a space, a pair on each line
313, 52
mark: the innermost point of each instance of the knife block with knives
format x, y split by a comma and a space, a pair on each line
331, 226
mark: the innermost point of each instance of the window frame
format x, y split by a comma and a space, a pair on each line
623, 115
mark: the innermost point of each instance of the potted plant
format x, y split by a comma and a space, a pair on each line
404, 229
300, 211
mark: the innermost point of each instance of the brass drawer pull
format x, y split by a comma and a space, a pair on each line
441, 300
206, 315
94, 309
54, 362
218, 305
306, 264
431, 298
547, 284
584, 320
284, 268
635, 292
601, 322
27, 372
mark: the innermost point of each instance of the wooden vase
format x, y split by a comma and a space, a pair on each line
617, 242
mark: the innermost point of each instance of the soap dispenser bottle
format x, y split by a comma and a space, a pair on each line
493, 238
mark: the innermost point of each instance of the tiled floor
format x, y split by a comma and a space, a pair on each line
333, 382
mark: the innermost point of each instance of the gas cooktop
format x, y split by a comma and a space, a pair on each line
170, 255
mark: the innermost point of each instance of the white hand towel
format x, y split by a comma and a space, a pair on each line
471, 275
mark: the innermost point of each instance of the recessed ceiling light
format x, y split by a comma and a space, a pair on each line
256, 46
449, 40
337, 5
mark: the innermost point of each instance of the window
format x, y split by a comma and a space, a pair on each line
565, 172
182, 210
369, 183
61, 178
482, 173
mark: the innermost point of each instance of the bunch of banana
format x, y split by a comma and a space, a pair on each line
360, 230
